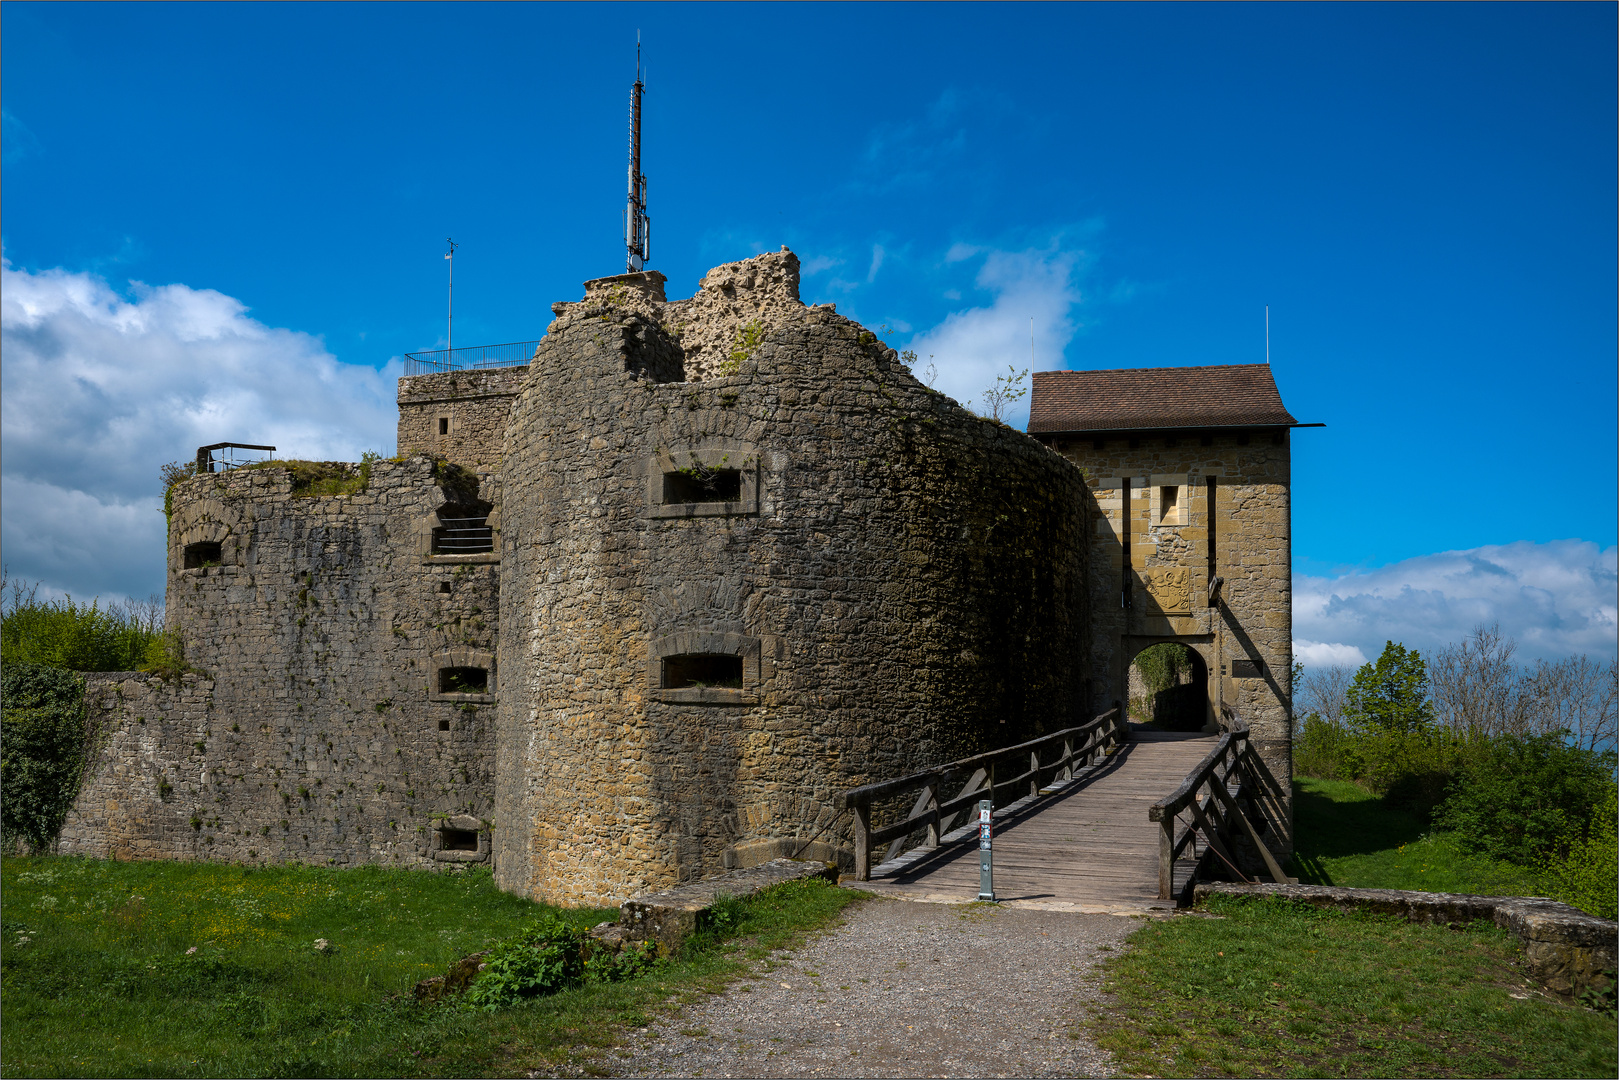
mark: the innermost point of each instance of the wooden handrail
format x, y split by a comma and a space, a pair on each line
1216, 810
1083, 742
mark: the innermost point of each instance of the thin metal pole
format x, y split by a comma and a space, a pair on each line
1267, 333
449, 332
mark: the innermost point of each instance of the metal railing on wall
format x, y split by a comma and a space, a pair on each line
470, 358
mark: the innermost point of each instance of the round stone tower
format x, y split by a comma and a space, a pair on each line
749, 562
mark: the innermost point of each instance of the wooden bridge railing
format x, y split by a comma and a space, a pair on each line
1012, 769
1215, 808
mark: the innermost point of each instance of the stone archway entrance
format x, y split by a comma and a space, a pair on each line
1167, 685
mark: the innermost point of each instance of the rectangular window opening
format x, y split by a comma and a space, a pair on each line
444, 425
1169, 511
701, 670
700, 485
205, 553
463, 680
1247, 669
460, 840
444, 725
463, 536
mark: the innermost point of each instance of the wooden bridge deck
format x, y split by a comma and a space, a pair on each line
1088, 846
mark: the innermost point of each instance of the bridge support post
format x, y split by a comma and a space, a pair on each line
931, 792
1166, 857
862, 842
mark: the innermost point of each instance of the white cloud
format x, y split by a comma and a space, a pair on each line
876, 263
816, 264
959, 252
1556, 598
972, 347
1326, 654
97, 391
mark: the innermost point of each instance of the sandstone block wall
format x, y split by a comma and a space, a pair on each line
1244, 640
901, 582
459, 416
318, 732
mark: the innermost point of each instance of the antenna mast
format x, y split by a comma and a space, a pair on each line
449, 328
637, 226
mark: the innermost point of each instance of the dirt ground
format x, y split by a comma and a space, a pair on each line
901, 989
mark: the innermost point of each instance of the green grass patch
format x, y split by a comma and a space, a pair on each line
1271, 988
98, 976
1348, 836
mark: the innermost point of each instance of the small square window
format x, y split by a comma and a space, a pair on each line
206, 553
444, 725
459, 840
699, 485
444, 425
1169, 509
702, 670
463, 680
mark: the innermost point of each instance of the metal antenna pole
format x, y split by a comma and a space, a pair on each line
449, 330
637, 225
1267, 333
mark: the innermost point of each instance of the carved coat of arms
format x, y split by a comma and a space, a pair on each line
1170, 589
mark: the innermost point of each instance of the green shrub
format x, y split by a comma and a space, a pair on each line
78, 637
548, 956
1583, 869
42, 737
1518, 797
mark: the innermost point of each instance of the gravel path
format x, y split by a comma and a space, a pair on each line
901, 989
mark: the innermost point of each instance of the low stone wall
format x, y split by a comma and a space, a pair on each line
669, 917
1568, 951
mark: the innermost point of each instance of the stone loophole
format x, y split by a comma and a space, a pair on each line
463, 680
203, 553
460, 840
700, 485
444, 725
702, 669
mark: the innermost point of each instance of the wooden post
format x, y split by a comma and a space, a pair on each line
1034, 774
933, 800
1068, 757
1166, 858
862, 842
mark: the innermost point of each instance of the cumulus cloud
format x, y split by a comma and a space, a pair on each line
97, 391
971, 347
1556, 598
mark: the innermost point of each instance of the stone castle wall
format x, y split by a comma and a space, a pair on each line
317, 731
1244, 639
901, 583
458, 416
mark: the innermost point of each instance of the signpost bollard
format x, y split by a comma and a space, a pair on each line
986, 868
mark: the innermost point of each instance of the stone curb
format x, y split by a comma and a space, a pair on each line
668, 917
1568, 951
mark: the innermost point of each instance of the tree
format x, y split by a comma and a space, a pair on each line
1006, 391
1390, 695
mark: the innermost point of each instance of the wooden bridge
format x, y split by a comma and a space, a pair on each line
1108, 816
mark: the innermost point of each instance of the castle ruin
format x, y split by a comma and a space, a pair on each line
635, 612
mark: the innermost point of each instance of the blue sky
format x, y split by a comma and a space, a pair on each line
227, 222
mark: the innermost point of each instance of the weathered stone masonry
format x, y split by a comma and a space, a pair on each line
738, 560
902, 581
318, 731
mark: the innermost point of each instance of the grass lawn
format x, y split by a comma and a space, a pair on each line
1267, 988
1346, 836
204, 969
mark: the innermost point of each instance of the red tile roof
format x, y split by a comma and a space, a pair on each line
1145, 399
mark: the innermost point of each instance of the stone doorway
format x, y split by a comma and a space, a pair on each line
1168, 687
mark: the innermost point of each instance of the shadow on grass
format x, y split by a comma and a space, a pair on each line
1333, 819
